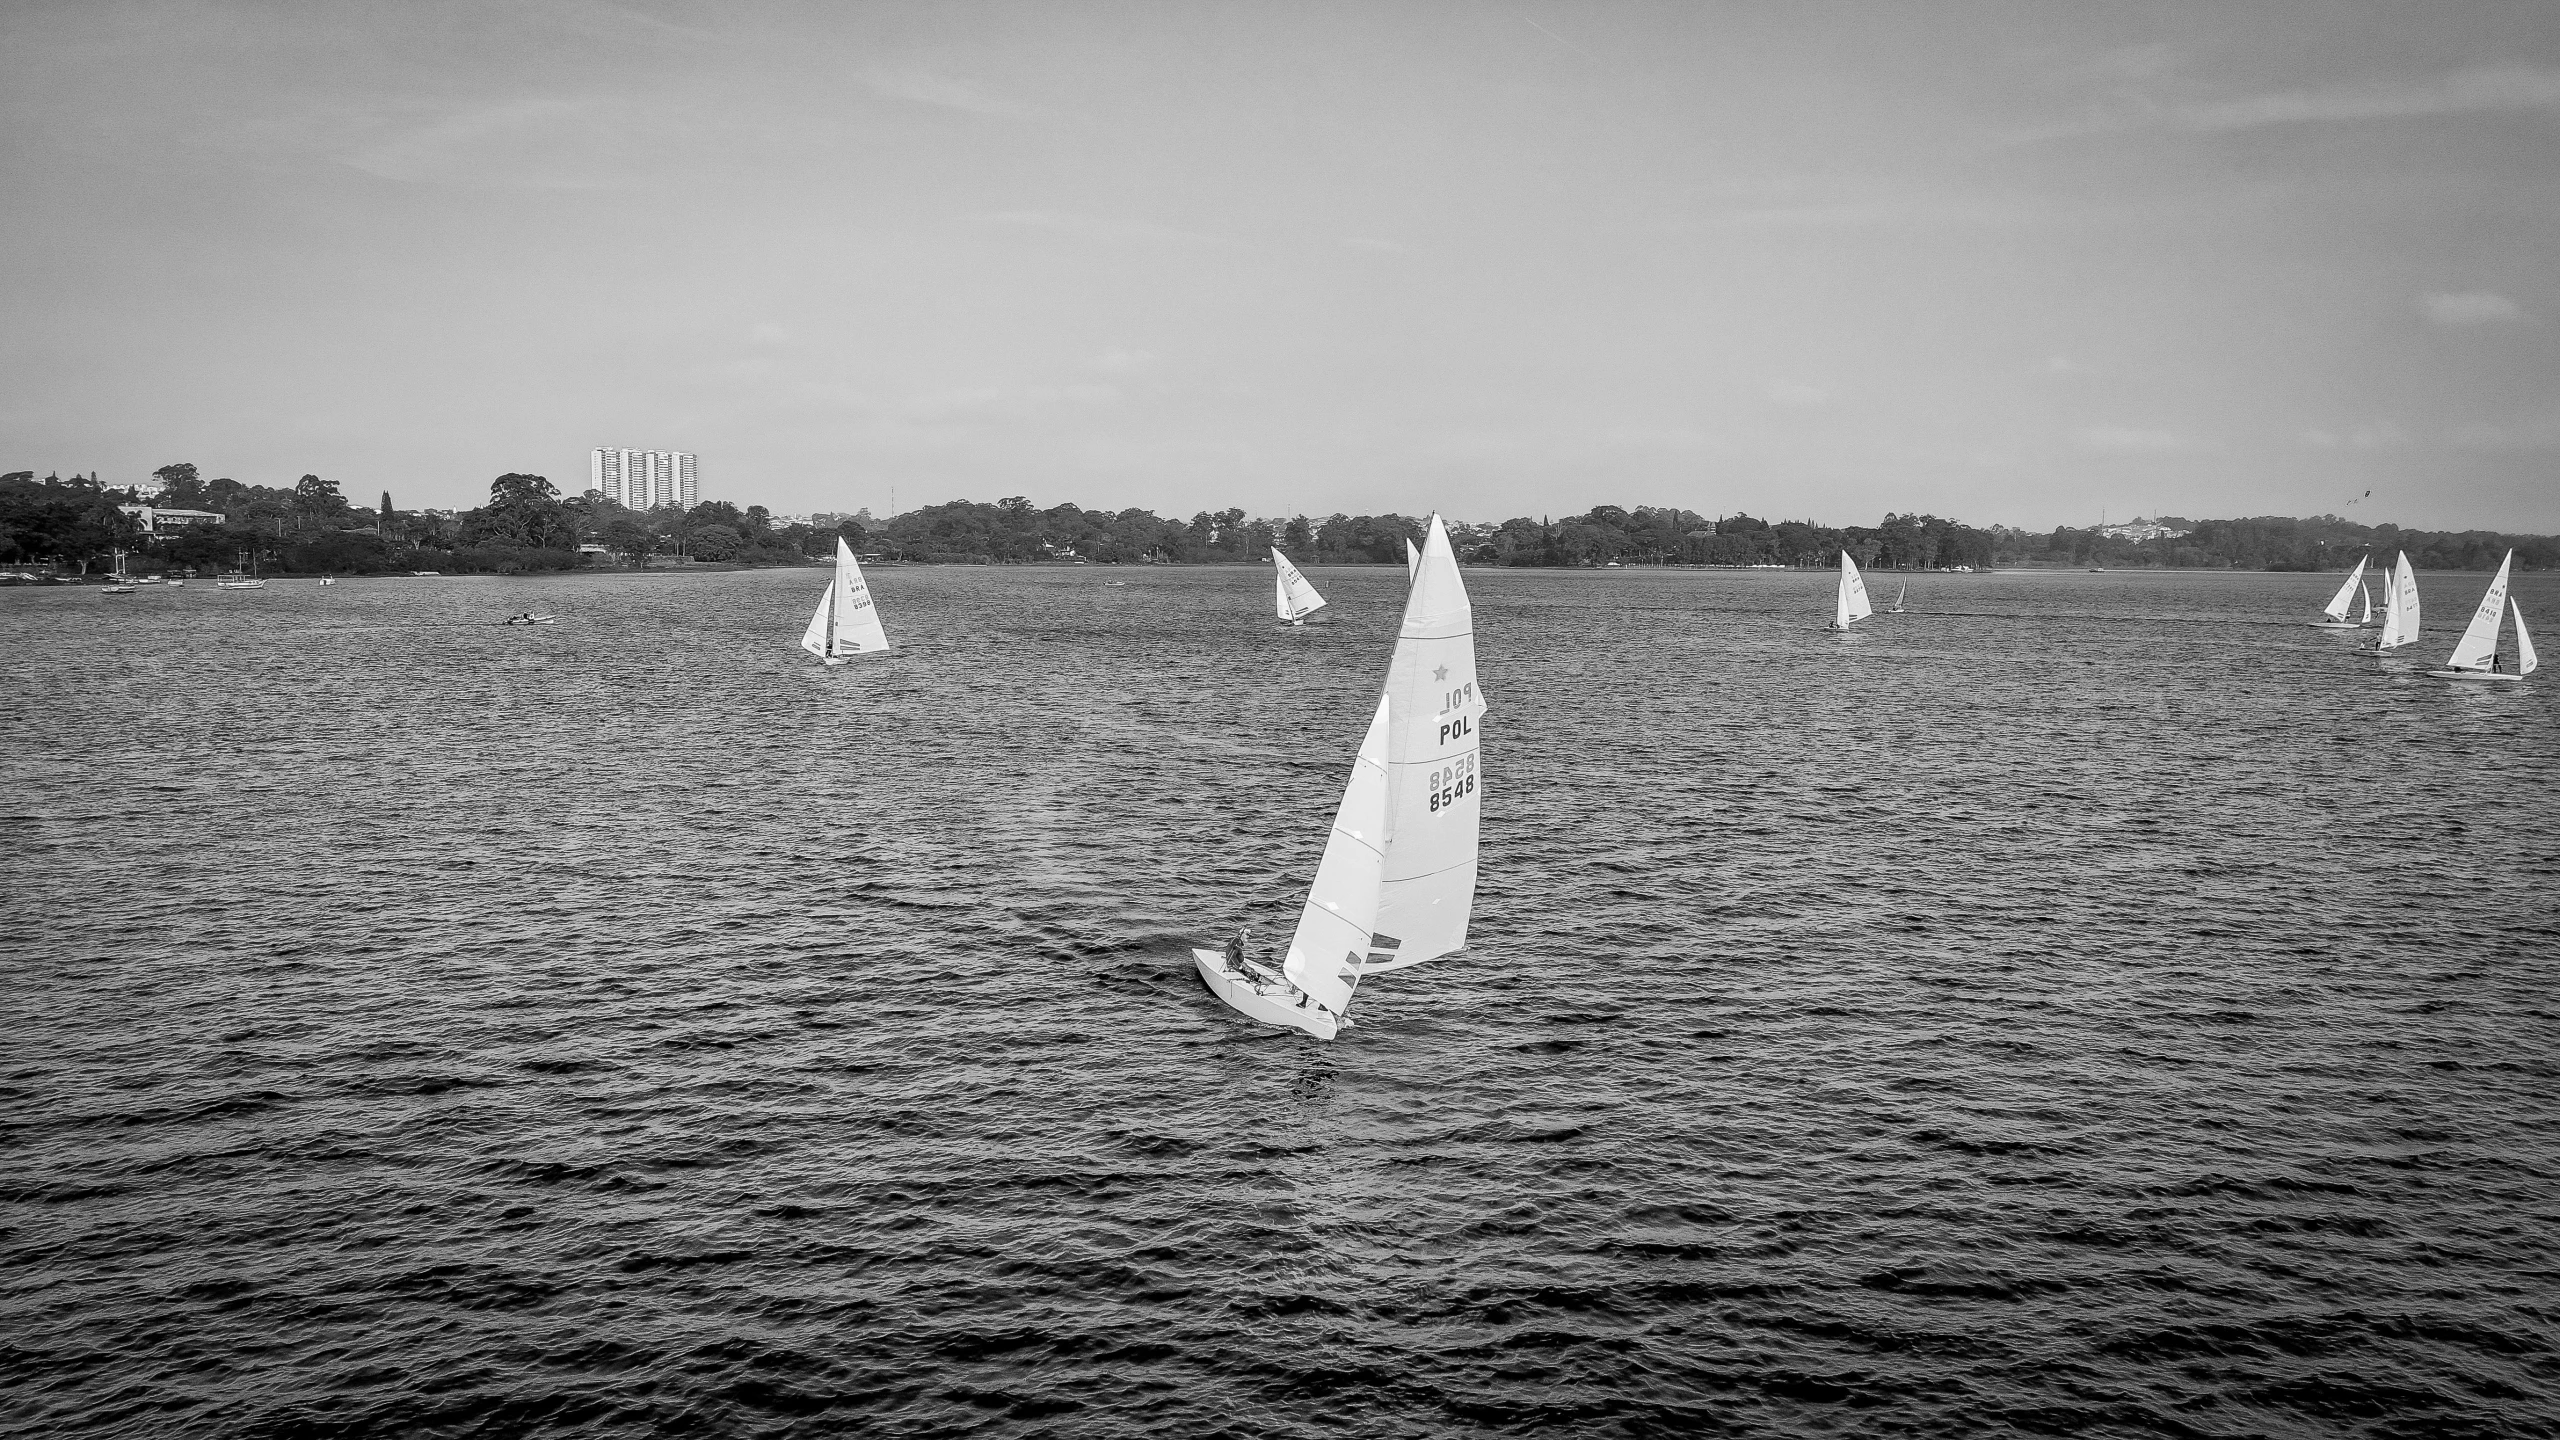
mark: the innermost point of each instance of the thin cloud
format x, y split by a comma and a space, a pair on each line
2361, 437
2465, 92
2477, 91
941, 91
1095, 227
2130, 440
541, 144
2470, 307
2531, 435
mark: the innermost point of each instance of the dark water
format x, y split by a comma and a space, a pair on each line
2089, 1003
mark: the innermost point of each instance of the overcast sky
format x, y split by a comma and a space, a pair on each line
2021, 263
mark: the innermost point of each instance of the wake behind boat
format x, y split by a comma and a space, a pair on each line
1398, 878
2476, 655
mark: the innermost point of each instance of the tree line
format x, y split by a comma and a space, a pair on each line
529, 525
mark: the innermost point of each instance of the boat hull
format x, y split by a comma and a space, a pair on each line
2475, 675
2335, 625
1248, 999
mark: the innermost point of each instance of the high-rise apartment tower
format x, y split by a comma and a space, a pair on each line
645, 479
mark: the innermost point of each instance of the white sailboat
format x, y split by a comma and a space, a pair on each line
2336, 609
118, 583
1852, 605
1898, 597
1298, 599
2400, 624
1398, 879
249, 581
2366, 618
846, 622
2475, 655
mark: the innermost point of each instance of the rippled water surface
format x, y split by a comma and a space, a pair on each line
2085, 1003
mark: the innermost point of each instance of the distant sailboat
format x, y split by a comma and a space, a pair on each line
2400, 623
846, 623
1852, 604
1412, 561
1298, 599
2366, 618
1398, 878
2475, 655
2336, 609
119, 583
1898, 597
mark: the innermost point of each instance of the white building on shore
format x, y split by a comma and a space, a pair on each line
645, 479
161, 519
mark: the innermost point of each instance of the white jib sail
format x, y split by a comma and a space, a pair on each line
2479, 639
1412, 562
1341, 913
1434, 770
1853, 595
846, 622
2366, 618
2526, 664
2338, 603
1298, 599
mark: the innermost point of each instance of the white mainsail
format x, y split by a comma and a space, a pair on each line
1398, 881
1298, 599
2366, 618
2400, 607
846, 622
2479, 642
1412, 561
2526, 663
2337, 606
1434, 768
1852, 603
1341, 913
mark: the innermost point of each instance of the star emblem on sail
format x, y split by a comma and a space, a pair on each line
846, 622
1397, 883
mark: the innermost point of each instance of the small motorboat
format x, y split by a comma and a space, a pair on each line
528, 618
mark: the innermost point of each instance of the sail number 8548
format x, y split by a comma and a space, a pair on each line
1452, 782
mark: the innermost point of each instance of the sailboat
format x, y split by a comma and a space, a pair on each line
846, 623
2475, 655
2336, 609
2400, 624
1298, 599
1412, 561
1398, 878
119, 583
1852, 605
249, 581
2366, 618
1898, 597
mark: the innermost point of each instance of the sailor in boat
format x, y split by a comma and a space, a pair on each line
1258, 976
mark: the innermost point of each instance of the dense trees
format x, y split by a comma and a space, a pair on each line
528, 525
